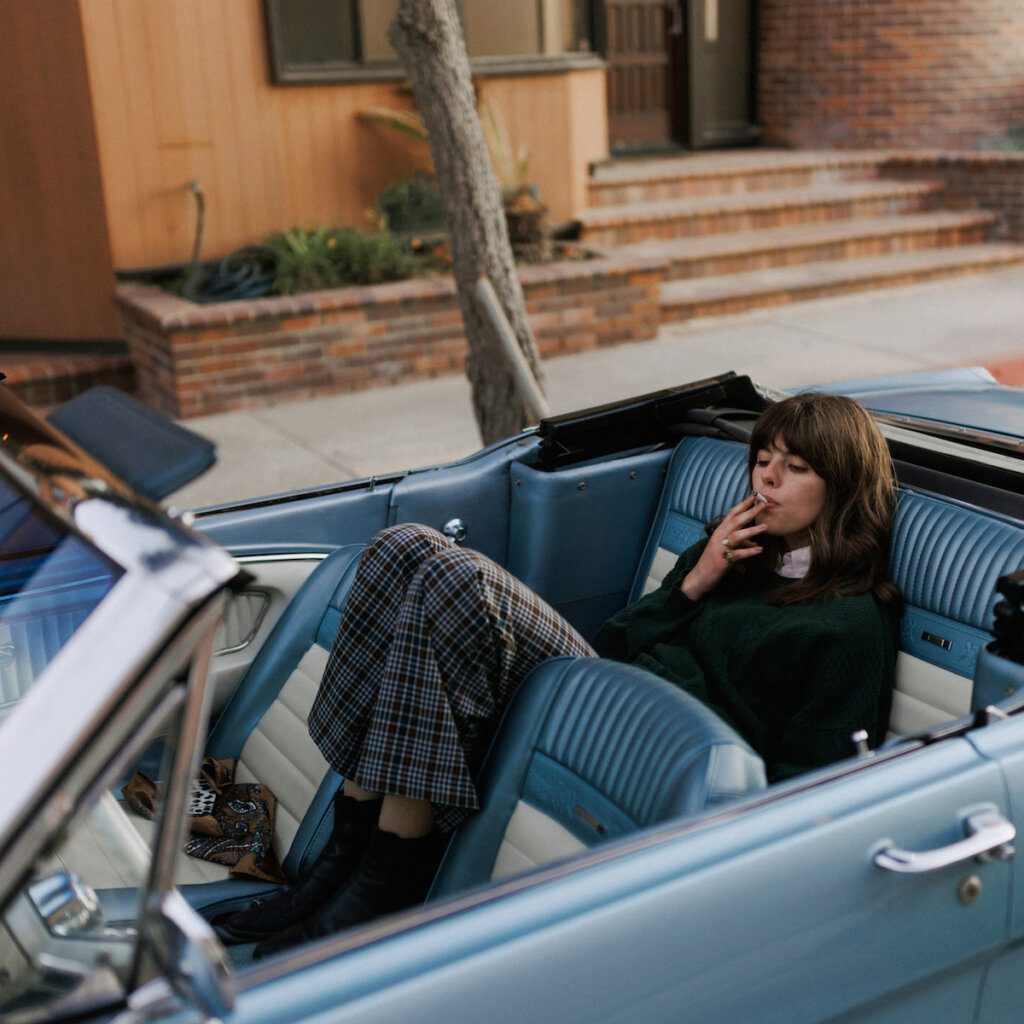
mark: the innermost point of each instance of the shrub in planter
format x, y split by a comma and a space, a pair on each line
307, 259
413, 206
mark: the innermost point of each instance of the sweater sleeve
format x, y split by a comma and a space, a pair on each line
655, 618
843, 676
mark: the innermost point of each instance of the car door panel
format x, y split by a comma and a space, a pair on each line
1003, 742
251, 614
1001, 1001
777, 913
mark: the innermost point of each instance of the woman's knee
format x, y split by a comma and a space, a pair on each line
450, 583
405, 545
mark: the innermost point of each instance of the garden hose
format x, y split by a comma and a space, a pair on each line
244, 274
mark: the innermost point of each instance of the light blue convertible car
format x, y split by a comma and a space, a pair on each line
630, 862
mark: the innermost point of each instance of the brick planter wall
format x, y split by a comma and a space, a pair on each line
45, 380
194, 360
889, 73
991, 181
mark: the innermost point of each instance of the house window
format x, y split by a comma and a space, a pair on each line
311, 38
337, 40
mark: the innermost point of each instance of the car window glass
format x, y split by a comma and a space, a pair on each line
50, 580
70, 932
70, 936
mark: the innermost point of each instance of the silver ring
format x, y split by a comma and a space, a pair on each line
726, 542
727, 556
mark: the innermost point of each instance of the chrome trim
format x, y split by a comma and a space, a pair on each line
181, 763
247, 560
455, 530
989, 837
257, 622
942, 446
189, 951
938, 429
298, 556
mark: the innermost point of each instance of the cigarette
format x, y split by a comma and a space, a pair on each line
760, 497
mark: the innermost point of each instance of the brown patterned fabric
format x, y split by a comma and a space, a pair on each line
230, 823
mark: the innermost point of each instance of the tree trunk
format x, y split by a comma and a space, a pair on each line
428, 37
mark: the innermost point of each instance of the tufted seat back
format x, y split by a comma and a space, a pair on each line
705, 479
945, 558
588, 751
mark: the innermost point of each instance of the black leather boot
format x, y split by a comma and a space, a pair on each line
395, 873
354, 822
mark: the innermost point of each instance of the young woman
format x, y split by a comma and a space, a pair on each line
781, 620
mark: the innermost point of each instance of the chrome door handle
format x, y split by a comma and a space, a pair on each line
989, 836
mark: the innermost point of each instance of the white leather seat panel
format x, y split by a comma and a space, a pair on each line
106, 849
926, 695
531, 839
279, 753
661, 564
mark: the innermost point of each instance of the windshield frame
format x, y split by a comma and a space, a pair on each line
72, 722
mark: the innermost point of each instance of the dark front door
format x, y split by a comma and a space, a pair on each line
720, 69
680, 73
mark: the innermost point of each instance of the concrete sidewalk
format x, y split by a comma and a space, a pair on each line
974, 320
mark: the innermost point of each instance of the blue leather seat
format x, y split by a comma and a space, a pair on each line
946, 559
705, 478
263, 727
588, 751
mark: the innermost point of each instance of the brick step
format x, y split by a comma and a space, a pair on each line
45, 380
737, 252
734, 293
633, 181
706, 215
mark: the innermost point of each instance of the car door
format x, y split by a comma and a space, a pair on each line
252, 612
775, 911
1003, 997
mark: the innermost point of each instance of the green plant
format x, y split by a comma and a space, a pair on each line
306, 259
412, 205
407, 122
302, 260
511, 168
371, 257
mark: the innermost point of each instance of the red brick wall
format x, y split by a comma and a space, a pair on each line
890, 73
989, 181
194, 360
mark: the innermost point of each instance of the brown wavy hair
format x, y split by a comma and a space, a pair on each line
850, 539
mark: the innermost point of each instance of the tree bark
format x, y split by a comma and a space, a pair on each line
428, 37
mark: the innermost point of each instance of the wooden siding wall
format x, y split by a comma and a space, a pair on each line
56, 278
182, 92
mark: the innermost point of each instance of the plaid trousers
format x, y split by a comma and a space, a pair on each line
432, 644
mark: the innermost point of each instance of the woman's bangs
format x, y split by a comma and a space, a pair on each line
802, 434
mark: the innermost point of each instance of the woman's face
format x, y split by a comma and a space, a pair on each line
794, 493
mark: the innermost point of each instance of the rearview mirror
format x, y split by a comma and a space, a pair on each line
190, 955
68, 906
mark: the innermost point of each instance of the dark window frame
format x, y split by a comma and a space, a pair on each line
287, 70
290, 72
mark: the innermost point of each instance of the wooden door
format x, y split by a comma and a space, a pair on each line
638, 49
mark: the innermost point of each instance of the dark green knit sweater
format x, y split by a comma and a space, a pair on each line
796, 682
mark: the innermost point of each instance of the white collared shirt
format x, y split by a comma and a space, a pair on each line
795, 563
